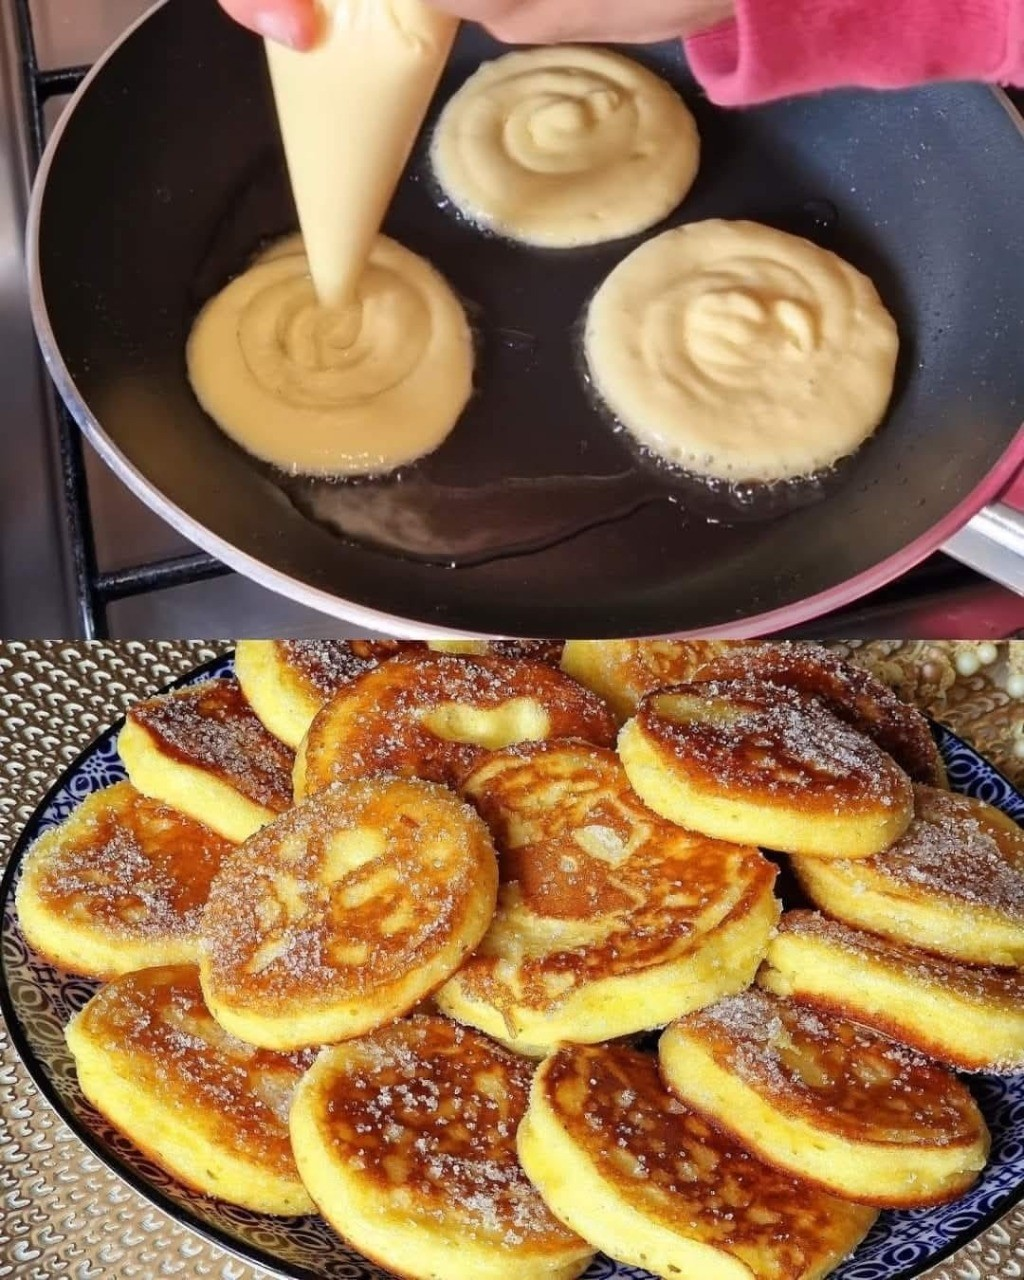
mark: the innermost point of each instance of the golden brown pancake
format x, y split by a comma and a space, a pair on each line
610, 920
288, 681
762, 764
406, 1141
852, 694
969, 1017
433, 716
624, 671
346, 912
209, 1109
828, 1101
119, 885
652, 1183
204, 751
953, 884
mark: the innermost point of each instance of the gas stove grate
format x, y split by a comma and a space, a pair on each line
94, 589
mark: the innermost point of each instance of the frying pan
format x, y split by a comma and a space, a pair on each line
536, 517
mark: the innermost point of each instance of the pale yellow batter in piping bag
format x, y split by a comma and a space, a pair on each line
350, 111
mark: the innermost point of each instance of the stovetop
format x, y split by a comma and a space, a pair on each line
60, 579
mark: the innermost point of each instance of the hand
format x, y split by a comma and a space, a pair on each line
556, 21
295, 22
292, 22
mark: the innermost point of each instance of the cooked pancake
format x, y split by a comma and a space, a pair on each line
852, 694
346, 912
766, 765
967, 1016
209, 1109
433, 716
406, 1141
625, 671
549, 651
119, 885
202, 750
610, 920
288, 681
954, 883
649, 1181
861, 1116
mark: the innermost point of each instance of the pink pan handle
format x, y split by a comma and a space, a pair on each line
1014, 495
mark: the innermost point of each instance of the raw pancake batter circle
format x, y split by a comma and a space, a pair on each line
323, 391
740, 352
565, 146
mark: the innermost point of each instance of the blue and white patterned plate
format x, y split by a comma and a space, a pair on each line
37, 1001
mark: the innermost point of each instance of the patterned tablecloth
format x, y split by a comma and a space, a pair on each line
61, 1212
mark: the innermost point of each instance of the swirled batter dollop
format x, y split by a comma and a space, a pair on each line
353, 390
740, 352
565, 146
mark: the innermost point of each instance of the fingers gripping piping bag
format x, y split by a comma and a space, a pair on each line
349, 111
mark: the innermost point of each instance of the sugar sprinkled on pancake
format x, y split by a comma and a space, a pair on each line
119, 885
406, 1139
203, 750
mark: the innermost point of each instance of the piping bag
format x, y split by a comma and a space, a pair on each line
350, 110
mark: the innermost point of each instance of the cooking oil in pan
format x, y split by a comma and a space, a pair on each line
460, 526
418, 517
461, 514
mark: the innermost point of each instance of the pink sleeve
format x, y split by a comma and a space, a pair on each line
776, 48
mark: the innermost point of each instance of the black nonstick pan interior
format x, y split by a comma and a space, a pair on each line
535, 517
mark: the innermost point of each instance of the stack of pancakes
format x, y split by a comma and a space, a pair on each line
386, 931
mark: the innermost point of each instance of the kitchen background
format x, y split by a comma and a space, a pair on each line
108, 565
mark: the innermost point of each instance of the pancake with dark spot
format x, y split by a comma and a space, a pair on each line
953, 883
766, 765
610, 920
651, 1182
623, 672
346, 912
970, 1017
827, 1100
119, 885
206, 1107
433, 716
204, 751
406, 1139
288, 681
549, 651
